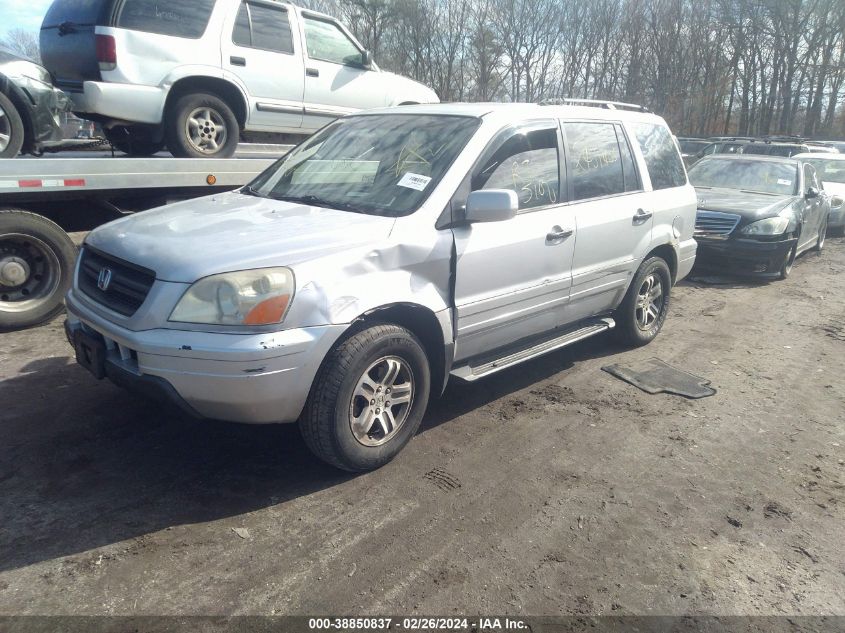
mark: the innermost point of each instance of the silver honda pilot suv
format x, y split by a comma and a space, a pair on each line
392, 250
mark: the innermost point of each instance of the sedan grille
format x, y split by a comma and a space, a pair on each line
114, 283
715, 224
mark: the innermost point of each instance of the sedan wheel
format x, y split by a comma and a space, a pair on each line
11, 129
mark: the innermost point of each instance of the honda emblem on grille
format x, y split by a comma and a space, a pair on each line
104, 279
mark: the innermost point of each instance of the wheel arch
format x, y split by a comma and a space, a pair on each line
667, 253
422, 322
20, 101
222, 88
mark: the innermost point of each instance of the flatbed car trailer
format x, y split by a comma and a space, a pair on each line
42, 200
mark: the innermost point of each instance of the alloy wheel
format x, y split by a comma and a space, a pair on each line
381, 401
5, 130
206, 130
649, 302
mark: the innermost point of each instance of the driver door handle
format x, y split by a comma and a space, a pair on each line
641, 216
557, 235
312, 72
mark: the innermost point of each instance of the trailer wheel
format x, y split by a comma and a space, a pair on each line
11, 129
202, 125
36, 267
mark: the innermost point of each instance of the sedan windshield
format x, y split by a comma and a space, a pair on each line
828, 170
764, 176
375, 164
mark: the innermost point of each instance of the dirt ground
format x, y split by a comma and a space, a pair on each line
549, 489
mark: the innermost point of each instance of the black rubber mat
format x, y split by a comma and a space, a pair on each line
655, 376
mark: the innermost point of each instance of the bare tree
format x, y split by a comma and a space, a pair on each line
23, 43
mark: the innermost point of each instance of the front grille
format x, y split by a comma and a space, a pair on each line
127, 288
715, 224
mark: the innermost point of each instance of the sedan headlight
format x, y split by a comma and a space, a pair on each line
247, 297
769, 226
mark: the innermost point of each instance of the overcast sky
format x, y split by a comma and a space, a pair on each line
25, 14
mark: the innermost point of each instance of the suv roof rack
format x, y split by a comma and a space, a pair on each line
596, 103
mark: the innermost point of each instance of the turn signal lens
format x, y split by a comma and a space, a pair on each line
268, 312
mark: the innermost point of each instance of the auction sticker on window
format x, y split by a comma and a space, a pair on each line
783, 181
414, 181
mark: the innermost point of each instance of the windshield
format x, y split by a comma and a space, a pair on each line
375, 164
828, 170
765, 176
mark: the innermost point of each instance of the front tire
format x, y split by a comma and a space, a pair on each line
202, 126
788, 263
11, 129
36, 268
643, 311
368, 399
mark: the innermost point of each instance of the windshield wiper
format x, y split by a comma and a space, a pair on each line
249, 191
317, 201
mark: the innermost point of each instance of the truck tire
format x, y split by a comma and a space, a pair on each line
350, 420
36, 268
11, 129
643, 310
202, 125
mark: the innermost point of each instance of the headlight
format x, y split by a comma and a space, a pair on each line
31, 70
248, 297
769, 226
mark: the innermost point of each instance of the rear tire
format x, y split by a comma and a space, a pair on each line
202, 125
12, 133
643, 311
350, 421
822, 236
37, 259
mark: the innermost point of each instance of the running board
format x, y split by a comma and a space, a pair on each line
513, 355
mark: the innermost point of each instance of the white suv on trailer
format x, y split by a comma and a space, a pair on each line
194, 74
391, 250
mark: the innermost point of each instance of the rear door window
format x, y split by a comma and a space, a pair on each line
264, 27
661, 156
594, 162
185, 18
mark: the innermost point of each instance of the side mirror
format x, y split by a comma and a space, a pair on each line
812, 192
836, 202
367, 60
491, 205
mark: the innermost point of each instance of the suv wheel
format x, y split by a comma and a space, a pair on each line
11, 129
368, 399
643, 311
202, 126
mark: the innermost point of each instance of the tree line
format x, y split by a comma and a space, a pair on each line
710, 67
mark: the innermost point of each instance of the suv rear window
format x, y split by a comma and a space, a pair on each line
260, 26
186, 18
661, 156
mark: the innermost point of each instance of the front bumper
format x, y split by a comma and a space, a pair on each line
743, 256
121, 102
46, 105
250, 378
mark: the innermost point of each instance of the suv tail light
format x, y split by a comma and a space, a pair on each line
106, 52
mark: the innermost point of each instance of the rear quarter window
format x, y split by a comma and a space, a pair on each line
662, 159
186, 18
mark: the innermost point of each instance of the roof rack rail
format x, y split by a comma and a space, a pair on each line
596, 103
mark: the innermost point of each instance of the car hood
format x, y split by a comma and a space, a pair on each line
749, 205
189, 240
416, 91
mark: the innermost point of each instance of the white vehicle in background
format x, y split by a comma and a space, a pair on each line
831, 171
193, 75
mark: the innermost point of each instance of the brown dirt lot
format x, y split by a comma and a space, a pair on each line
552, 488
